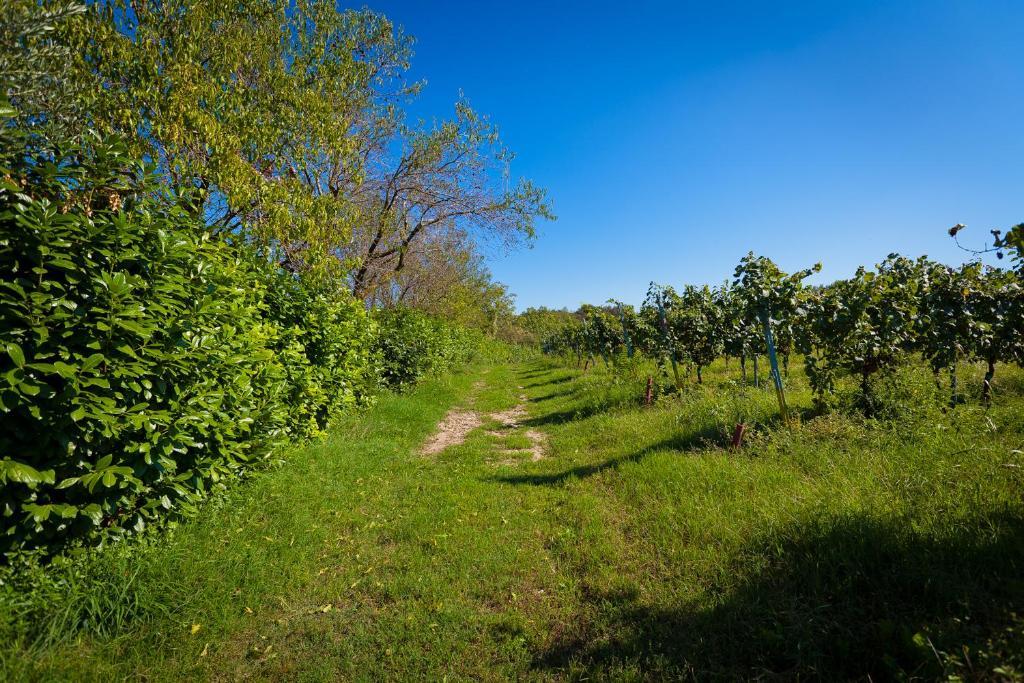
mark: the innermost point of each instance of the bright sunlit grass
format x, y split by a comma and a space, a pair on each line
639, 546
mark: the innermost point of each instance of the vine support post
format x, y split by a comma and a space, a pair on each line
625, 332
668, 342
986, 387
773, 359
954, 386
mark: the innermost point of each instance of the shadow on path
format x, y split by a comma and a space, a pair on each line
552, 396
681, 444
556, 380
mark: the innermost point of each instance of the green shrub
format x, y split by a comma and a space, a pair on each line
137, 371
144, 361
411, 344
325, 340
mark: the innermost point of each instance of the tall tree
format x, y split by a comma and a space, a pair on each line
445, 275
425, 180
46, 96
251, 108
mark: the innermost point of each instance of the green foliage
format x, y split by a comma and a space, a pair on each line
164, 327
257, 103
972, 312
602, 333
137, 371
859, 326
410, 344
767, 295
324, 342
696, 323
145, 362
535, 325
46, 94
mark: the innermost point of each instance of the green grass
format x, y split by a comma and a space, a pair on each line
638, 547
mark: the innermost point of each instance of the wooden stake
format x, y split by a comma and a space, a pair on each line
737, 436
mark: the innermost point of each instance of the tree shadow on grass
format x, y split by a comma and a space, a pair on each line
552, 396
531, 374
681, 443
560, 417
556, 380
839, 598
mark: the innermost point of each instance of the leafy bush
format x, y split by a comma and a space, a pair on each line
411, 344
324, 342
144, 361
136, 361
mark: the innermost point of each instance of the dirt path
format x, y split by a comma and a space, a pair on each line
452, 431
510, 420
458, 423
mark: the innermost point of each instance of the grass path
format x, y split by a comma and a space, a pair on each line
572, 534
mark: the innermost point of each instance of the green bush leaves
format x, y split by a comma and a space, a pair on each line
410, 344
146, 362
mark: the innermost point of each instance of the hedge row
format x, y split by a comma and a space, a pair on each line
144, 361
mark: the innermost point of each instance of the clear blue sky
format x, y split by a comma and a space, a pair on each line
676, 136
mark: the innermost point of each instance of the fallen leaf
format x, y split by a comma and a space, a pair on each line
195, 628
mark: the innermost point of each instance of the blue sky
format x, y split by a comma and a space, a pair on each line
674, 137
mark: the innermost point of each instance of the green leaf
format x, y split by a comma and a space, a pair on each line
16, 354
11, 470
94, 512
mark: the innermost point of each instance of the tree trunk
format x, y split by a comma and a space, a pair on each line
743, 367
757, 380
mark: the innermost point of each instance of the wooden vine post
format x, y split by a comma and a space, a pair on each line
774, 361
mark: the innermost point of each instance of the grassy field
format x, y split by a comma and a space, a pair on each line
575, 534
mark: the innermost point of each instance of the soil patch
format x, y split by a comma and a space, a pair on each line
451, 431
